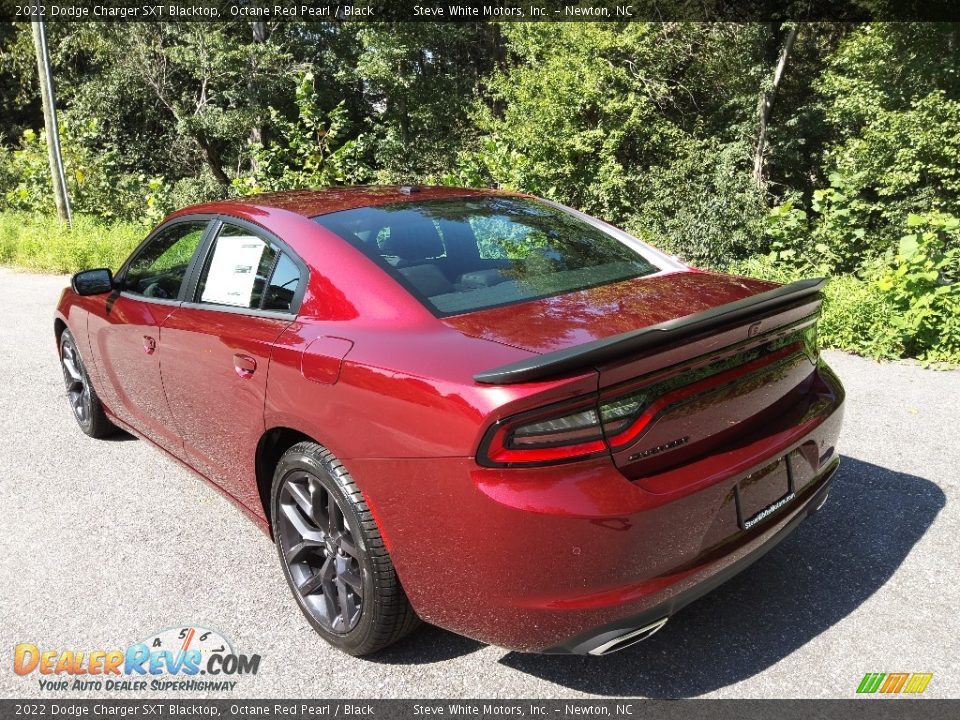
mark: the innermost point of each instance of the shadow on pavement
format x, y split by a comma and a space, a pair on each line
428, 644
120, 436
812, 580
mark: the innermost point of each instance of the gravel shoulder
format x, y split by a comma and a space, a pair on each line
105, 542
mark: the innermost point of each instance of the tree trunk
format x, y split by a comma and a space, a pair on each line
767, 99
498, 49
403, 115
212, 157
50, 123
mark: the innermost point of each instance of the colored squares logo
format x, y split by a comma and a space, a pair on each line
894, 683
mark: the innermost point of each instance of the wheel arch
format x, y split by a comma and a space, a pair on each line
270, 448
59, 325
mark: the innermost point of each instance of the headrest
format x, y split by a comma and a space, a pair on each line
413, 238
428, 279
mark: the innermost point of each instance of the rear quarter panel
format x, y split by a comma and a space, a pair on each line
399, 393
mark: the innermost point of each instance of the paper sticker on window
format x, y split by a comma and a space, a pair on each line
233, 270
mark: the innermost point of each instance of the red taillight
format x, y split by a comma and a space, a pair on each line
560, 433
594, 425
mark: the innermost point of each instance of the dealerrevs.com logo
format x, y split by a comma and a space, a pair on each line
188, 658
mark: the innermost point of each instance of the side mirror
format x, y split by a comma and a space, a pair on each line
92, 282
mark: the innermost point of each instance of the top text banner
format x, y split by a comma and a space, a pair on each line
497, 10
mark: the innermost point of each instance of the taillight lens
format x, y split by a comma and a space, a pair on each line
591, 426
618, 413
562, 433
553, 435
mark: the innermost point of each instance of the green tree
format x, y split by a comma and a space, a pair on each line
420, 81
648, 125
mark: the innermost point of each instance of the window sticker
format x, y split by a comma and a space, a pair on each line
233, 270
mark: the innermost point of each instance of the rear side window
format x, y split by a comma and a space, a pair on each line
464, 254
244, 270
283, 285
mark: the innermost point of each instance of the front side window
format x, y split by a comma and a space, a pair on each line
244, 270
159, 268
464, 254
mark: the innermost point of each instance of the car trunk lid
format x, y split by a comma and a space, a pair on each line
564, 321
731, 358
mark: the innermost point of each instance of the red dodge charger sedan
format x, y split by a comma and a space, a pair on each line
481, 409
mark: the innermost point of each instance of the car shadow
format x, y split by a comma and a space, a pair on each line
813, 579
120, 436
429, 644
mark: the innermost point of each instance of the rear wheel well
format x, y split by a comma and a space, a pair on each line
270, 449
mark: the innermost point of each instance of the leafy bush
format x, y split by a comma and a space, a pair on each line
42, 242
924, 285
856, 314
904, 305
193, 190
94, 183
707, 180
310, 150
902, 161
594, 115
857, 317
890, 100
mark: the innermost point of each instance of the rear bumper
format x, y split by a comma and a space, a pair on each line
622, 633
568, 558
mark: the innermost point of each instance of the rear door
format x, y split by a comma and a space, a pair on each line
217, 349
126, 337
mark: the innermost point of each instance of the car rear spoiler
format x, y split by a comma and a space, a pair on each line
649, 338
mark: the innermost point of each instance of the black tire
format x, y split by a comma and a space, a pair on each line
333, 556
87, 408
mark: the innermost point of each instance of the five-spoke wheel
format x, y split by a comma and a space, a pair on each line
86, 406
333, 555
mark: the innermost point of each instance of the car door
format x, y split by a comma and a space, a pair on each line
217, 349
126, 338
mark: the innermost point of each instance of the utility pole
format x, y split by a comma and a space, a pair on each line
50, 122
259, 28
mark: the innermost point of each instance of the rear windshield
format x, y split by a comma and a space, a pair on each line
463, 254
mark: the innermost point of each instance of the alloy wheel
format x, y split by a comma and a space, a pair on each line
320, 551
78, 388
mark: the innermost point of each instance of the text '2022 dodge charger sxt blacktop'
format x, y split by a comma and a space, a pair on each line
477, 408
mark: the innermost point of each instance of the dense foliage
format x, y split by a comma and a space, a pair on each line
655, 127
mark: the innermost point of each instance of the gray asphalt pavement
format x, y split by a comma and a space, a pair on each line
104, 542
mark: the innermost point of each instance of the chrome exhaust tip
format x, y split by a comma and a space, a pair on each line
820, 503
631, 637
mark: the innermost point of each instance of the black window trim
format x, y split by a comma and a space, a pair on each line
192, 280
121, 275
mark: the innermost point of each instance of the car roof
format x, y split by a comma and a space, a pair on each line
310, 203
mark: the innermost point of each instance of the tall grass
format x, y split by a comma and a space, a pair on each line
44, 243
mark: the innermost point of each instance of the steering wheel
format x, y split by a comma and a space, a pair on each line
155, 290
